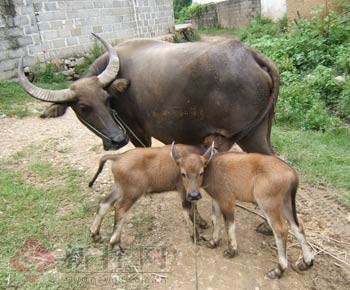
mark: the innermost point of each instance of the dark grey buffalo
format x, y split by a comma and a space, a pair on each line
182, 92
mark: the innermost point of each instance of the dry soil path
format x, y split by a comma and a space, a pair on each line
325, 219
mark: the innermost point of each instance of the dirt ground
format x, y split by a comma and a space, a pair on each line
326, 221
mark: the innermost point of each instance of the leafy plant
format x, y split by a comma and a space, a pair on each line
47, 74
310, 55
95, 51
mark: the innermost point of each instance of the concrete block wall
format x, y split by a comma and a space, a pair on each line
237, 13
228, 14
47, 29
207, 18
154, 17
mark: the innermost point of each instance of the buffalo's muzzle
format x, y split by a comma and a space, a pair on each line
116, 142
193, 196
119, 138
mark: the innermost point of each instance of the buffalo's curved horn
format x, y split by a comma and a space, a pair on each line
59, 96
111, 71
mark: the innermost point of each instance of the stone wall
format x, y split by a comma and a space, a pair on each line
227, 14
46, 29
303, 7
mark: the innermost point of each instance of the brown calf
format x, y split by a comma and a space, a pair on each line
137, 172
262, 179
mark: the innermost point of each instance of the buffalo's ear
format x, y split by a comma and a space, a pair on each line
174, 153
208, 155
54, 111
119, 85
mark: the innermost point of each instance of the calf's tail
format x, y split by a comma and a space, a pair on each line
293, 192
103, 160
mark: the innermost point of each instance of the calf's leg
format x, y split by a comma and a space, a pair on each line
121, 209
298, 231
216, 215
280, 231
106, 203
230, 225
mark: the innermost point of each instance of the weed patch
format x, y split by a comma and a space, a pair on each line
319, 156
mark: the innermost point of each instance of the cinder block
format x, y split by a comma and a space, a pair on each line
30, 29
50, 6
16, 53
34, 49
25, 40
49, 15
44, 26
50, 35
21, 20
72, 41
76, 31
8, 64
97, 29
59, 43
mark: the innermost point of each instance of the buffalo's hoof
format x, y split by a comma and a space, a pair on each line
264, 229
303, 266
275, 273
96, 238
212, 244
230, 253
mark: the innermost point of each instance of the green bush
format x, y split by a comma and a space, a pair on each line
192, 11
95, 51
47, 74
310, 55
179, 7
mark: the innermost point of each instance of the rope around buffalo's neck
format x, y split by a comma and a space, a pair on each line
123, 125
195, 245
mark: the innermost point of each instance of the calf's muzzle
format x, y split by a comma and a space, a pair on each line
194, 195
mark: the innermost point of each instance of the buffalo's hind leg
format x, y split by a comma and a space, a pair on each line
258, 140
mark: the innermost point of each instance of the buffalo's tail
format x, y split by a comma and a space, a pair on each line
268, 65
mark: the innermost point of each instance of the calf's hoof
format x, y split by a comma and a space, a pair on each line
230, 253
116, 248
303, 266
200, 240
96, 238
264, 229
275, 273
212, 244
204, 225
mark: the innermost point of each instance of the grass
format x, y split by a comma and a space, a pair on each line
46, 200
14, 101
217, 30
42, 201
320, 157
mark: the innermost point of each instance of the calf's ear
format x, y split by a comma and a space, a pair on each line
207, 156
174, 153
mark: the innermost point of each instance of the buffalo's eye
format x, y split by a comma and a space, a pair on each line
201, 173
85, 108
183, 174
108, 101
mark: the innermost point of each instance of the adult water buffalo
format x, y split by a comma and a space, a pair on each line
182, 92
